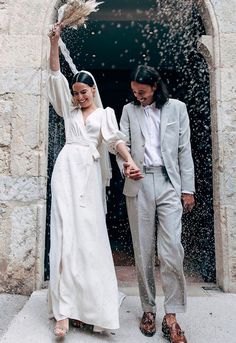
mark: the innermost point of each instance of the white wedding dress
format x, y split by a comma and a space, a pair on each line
83, 283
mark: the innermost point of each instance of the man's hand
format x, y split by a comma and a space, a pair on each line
188, 202
132, 171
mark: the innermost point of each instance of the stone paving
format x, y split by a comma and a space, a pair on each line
210, 319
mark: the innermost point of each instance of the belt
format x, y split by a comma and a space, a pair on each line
155, 170
92, 151
152, 169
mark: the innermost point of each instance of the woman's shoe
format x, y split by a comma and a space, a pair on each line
61, 328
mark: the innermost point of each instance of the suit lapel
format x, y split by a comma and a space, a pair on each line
141, 120
164, 119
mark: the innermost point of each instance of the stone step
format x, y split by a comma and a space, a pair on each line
210, 318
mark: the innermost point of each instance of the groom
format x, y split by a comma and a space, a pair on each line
158, 134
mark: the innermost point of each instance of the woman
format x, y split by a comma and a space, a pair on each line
83, 283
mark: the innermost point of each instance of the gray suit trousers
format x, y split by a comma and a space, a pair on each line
158, 197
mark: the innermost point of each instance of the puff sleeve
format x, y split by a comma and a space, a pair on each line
110, 131
59, 93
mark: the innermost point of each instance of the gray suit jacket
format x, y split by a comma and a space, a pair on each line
175, 144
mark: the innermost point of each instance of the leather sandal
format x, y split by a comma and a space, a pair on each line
173, 332
147, 324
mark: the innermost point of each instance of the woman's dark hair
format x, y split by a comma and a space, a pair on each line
149, 76
83, 78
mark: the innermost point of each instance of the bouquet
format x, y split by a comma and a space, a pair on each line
74, 13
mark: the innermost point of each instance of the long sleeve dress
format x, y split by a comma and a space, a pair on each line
83, 283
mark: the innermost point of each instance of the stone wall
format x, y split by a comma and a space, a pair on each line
23, 144
224, 140
23, 139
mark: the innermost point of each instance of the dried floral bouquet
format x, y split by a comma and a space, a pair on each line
74, 13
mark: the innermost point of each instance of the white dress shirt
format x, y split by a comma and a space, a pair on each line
152, 155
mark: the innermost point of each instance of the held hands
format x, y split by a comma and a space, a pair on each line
131, 171
188, 202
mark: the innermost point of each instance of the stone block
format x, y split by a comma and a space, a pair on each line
3, 4
28, 17
221, 246
24, 161
4, 21
20, 80
230, 149
4, 161
25, 120
20, 51
225, 15
5, 233
39, 263
43, 136
230, 186
28, 135
24, 189
231, 214
6, 109
23, 237
22, 261
228, 116
228, 50
5, 237
228, 84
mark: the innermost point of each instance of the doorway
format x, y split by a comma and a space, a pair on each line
110, 47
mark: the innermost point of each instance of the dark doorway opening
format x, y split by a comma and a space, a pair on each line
110, 49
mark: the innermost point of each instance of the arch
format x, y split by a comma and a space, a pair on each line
209, 48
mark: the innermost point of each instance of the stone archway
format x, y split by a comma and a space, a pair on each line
198, 262
23, 138
210, 49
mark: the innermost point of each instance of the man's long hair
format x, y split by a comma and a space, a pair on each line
149, 76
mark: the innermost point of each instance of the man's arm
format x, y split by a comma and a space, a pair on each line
124, 128
126, 168
186, 162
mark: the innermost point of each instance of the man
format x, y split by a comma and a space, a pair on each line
158, 133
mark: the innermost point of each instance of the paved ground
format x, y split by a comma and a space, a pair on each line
210, 319
10, 305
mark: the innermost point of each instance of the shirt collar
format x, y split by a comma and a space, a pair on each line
152, 106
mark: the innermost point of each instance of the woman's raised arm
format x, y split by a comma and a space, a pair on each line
58, 87
54, 50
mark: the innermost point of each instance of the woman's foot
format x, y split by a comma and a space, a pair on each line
61, 328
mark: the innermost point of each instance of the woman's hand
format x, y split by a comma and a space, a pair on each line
54, 50
132, 171
55, 33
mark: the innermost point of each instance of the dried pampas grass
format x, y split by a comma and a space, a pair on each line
75, 12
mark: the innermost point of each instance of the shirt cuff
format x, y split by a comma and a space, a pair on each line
55, 72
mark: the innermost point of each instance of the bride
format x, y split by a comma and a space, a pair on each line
83, 284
